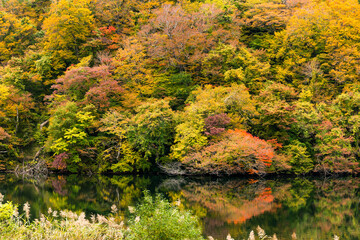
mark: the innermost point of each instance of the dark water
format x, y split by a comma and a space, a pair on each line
313, 208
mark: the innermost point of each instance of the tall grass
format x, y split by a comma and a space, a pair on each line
54, 225
154, 218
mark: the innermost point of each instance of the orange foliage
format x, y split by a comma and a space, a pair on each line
237, 152
265, 154
238, 211
262, 203
3, 134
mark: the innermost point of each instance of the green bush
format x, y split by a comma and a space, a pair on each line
6, 211
155, 218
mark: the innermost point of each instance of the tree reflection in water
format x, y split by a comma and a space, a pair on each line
313, 208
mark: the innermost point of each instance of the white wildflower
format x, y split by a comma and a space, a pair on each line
26, 209
131, 209
82, 220
293, 236
62, 224
42, 218
63, 214
114, 209
101, 219
55, 214
178, 202
118, 235
251, 236
73, 215
274, 237
68, 214
112, 223
228, 237
261, 232
48, 223
336, 237
16, 212
137, 219
93, 219
49, 210
210, 238
81, 216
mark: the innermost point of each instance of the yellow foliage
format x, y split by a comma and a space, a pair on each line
15, 35
132, 69
70, 24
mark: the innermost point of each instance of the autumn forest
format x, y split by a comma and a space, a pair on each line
219, 87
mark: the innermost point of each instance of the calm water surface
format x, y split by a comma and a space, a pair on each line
313, 208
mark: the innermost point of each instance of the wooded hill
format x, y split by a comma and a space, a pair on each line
201, 87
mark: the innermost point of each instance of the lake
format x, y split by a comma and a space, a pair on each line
313, 208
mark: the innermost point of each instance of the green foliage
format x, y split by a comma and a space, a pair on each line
6, 211
334, 150
151, 129
130, 160
250, 70
300, 160
226, 64
299, 194
156, 219
68, 132
218, 61
189, 137
275, 112
176, 86
119, 155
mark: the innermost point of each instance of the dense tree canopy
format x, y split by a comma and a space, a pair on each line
209, 87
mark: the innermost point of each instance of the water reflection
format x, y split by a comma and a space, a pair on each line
313, 208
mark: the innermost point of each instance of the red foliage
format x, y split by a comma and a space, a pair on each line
90, 85
102, 94
58, 184
107, 30
216, 124
107, 38
255, 146
60, 161
76, 82
176, 38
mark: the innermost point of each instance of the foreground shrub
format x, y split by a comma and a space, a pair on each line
153, 219
157, 219
6, 211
